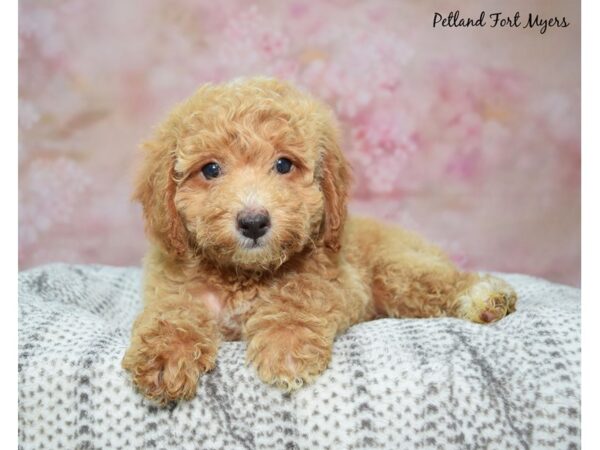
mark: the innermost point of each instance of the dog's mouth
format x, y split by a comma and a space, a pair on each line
252, 244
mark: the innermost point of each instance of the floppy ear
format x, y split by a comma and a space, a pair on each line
334, 185
155, 190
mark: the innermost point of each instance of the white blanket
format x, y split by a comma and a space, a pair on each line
392, 383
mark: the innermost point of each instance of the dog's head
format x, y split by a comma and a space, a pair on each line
245, 174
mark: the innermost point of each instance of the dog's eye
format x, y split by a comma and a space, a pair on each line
211, 170
283, 165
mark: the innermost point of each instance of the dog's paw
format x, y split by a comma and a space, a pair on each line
486, 301
289, 358
166, 362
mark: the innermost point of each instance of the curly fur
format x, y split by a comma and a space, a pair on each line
313, 275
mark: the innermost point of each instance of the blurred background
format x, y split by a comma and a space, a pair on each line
469, 136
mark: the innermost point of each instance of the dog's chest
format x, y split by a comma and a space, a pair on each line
231, 308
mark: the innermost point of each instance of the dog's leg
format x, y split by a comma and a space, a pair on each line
487, 299
174, 341
423, 283
290, 335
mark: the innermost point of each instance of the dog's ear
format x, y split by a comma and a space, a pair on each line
334, 185
155, 190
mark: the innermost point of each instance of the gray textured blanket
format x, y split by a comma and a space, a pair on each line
426, 383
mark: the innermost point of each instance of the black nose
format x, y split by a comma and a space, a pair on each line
253, 225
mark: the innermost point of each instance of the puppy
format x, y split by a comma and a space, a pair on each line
244, 192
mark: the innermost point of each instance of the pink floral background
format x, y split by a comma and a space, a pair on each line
470, 136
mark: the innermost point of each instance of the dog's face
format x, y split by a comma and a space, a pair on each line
245, 174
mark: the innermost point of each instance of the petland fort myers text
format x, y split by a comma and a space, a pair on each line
499, 20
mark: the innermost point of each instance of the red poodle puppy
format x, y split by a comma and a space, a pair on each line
244, 190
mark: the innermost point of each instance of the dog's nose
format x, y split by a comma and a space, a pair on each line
253, 224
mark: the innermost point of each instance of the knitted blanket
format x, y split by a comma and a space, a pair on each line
393, 383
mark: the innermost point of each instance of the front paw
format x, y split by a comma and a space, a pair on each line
488, 300
289, 357
166, 361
